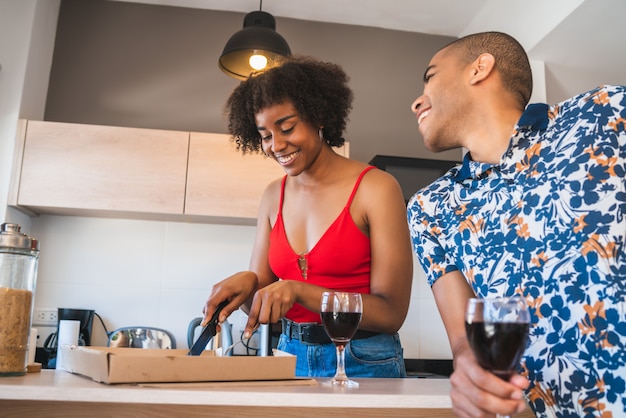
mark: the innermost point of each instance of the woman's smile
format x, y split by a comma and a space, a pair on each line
287, 159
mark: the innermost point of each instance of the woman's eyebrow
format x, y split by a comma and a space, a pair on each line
278, 121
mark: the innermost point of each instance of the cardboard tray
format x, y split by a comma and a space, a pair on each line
137, 365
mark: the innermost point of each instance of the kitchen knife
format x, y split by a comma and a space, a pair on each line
208, 332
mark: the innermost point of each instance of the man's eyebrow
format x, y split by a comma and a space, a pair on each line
278, 121
430, 67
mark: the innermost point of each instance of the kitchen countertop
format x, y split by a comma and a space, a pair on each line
54, 393
58, 393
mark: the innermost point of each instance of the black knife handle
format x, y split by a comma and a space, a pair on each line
208, 332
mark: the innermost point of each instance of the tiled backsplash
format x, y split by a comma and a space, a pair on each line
160, 274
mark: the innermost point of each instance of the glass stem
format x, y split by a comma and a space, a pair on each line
341, 368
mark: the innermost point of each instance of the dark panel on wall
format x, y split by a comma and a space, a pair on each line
130, 64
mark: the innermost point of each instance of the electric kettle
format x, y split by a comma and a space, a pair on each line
19, 256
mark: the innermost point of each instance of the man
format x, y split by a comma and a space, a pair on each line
537, 209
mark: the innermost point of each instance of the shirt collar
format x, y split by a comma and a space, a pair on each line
535, 117
471, 169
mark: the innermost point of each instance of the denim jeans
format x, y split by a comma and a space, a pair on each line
377, 356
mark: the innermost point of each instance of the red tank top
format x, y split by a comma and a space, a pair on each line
340, 260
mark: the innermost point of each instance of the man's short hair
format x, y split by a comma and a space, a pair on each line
511, 61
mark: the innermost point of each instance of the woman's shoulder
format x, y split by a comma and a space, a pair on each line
270, 198
371, 176
379, 178
376, 183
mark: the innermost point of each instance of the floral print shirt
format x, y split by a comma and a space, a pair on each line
548, 223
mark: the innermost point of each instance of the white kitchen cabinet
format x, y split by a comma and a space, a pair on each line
222, 181
109, 171
75, 169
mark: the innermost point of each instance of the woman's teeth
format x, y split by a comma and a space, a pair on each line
284, 159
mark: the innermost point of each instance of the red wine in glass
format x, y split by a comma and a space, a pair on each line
497, 332
341, 326
498, 346
341, 314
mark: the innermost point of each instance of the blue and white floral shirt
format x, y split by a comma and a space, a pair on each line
549, 223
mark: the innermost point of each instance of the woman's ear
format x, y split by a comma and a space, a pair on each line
482, 67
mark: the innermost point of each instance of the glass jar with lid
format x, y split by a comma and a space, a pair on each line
19, 256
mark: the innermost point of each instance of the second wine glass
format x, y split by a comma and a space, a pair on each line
497, 331
341, 314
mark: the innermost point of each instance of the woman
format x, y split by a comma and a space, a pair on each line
330, 223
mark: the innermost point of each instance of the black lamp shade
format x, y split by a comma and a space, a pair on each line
258, 37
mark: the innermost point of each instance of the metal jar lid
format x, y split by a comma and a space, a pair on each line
12, 238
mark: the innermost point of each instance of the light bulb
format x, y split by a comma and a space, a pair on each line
258, 62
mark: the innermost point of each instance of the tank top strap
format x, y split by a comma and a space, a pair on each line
356, 185
282, 194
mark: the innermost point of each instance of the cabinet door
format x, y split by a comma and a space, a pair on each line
74, 169
222, 182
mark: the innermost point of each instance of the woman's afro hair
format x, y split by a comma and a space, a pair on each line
318, 90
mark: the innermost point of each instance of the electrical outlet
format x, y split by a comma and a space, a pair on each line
46, 317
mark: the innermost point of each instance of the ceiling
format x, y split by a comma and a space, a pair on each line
582, 43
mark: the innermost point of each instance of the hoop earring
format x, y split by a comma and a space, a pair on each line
320, 133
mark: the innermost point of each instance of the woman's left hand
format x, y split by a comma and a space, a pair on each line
270, 304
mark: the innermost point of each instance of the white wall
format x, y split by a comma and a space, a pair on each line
160, 274
27, 30
16, 21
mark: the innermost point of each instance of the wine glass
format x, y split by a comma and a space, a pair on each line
341, 314
497, 331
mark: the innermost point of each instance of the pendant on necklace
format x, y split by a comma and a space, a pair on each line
303, 264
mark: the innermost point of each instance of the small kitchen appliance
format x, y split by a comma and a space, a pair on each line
50, 346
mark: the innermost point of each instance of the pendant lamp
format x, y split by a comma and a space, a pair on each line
255, 48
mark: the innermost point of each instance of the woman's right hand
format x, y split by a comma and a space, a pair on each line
237, 289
